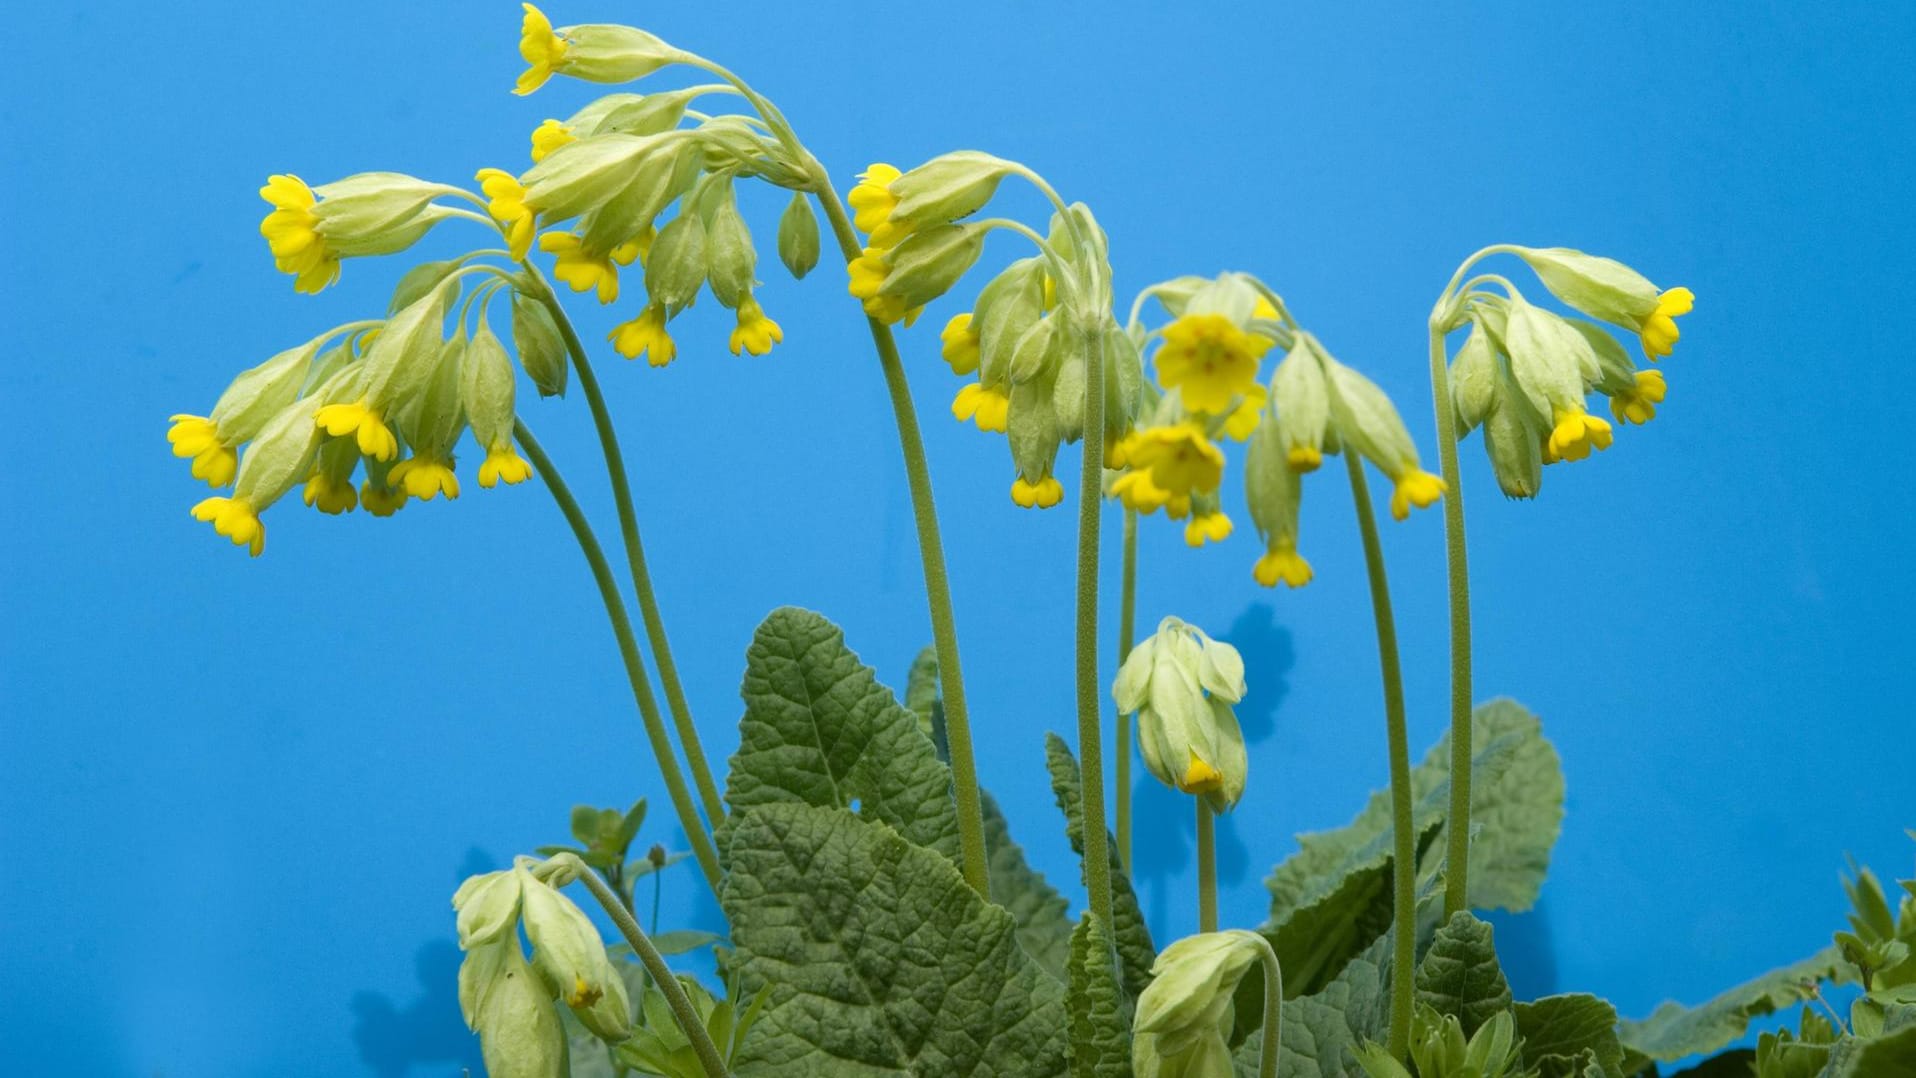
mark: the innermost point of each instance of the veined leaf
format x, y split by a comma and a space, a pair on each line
1559, 1032
1132, 935
820, 730
1320, 1032
1674, 1031
1459, 974
878, 958
1100, 1015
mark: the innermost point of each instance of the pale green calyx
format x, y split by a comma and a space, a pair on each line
948, 187
1182, 683
661, 174
1602, 288
568, 953
731, 260
586, 173
280, 456
604, 52
1184, 1017
1473, 380
1550, 361
401, 360
676, 268
927, 263
262, 392
510, 1007
377, 213
798, 236
436, 416
487, 906
488, 388
542, 351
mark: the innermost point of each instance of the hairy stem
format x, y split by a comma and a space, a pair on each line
931, 551
1403, 830
695, 830
1097, 856
1273, 1012
635, 555
1206, 866
1121, 728
675, 997
1457, 825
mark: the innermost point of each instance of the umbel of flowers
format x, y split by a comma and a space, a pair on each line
633, 199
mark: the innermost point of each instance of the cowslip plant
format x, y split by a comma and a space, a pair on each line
881, 917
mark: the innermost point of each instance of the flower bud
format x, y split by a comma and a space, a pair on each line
1184, 1017
798, 236
1033, 433
675, 270
1473, 380
570, 956
603, 52
947, 187
542, 350
488, 908
377, 213
1602, 288
505, 1002
434, 419
1513, 440
1272, 490
731, 260
585, 174
1181, 684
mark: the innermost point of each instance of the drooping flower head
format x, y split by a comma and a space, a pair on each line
1182, 683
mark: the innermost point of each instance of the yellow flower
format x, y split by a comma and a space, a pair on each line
1282, 562
1200, 777
872, 204
503, 464
959, 344
1209, 360
754, 333
1304, 459
292, 234
1244, 419
1659, 331
1631, 406
548, 137
1415, 487
542, 49
1179, 457
236, 519
645, 336
507, 204
199, 438
989, 407
376, 440
329, 494
424, 478
1212, 527
1043, 494
380, 499
1136, 491
583, 268
1576, 433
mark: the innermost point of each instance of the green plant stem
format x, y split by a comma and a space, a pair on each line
1273, 1012
1206, 866
635, 556
931, 550
1121, 727
1403, 829
1457, 824
1097, 855
688, 813
675, 997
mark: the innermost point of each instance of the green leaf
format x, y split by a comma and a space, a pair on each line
1132, 935
1100, 1016
923, 697
1892, 1055
1043, 915
585, 824
1557, 1030
1320, 1033
819, 729
1674, 1031
1332, 898
1459, 974
879, 959
683, 940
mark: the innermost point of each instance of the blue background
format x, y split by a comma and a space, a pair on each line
235, 796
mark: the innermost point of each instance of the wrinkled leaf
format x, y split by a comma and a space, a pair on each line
1132, 936
1674, 1031
878, 958
1558, 1030
1459, 974
1100, 1044
819, 730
